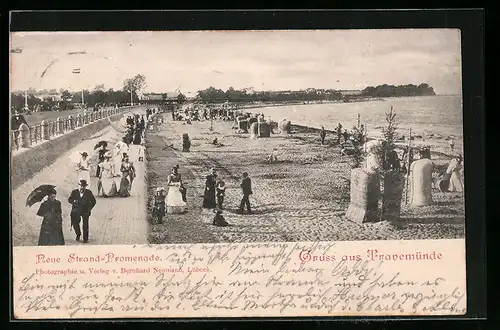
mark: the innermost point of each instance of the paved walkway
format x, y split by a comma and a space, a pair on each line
113, 220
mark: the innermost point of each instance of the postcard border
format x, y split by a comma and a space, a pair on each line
470, 22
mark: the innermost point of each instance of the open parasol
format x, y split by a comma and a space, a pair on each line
101, 144
39, 193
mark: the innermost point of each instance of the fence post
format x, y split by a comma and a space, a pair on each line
71, 122
24, 136
78, 120
59, 125
45, 130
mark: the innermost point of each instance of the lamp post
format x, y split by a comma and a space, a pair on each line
26, 99
78, 71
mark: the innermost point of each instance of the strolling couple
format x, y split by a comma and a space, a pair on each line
82, 201
216, 190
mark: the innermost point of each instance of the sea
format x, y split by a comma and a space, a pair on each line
441, 115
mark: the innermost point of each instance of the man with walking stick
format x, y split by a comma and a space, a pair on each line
82, 201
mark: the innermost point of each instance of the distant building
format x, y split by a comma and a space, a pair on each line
153, 98
350, 92
52, 97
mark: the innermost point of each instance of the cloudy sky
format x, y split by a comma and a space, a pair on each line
264, 60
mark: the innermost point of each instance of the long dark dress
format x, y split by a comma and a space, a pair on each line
51, 232
100, 159
128, 175
137, 137
209, 195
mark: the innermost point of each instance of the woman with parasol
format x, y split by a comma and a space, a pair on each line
128, 174
120, 149
51, 232
107, 177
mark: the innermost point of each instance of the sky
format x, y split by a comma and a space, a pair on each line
265, 60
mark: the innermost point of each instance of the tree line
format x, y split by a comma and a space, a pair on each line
70, 100
214, 95
398, 91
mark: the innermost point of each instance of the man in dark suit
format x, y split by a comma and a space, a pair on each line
246, 186
83, 202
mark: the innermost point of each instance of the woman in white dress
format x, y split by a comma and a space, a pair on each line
107, 177
83, 168
175, 204
120, 149
454, 173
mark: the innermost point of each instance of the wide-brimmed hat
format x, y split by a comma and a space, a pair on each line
83, 183
221, 184
160, 189
84, 154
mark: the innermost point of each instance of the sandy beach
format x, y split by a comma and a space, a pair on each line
302, 197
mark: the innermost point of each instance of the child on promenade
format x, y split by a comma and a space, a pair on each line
141, 152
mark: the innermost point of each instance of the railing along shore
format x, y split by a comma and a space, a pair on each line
27, 136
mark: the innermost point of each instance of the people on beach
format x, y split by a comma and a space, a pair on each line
127, 170
175, 201
209, 194
107, 174
186, 143
452, 145
219, 220
220, 194
454, 173
82, 201
51, 232
246, 186
83, 167
346, 136
322, 135
159, 209
339, 132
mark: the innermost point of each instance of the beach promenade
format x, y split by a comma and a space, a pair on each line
113, 221
301, 197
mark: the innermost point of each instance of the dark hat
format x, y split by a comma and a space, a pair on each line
84, 154
83, 183
245, 173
